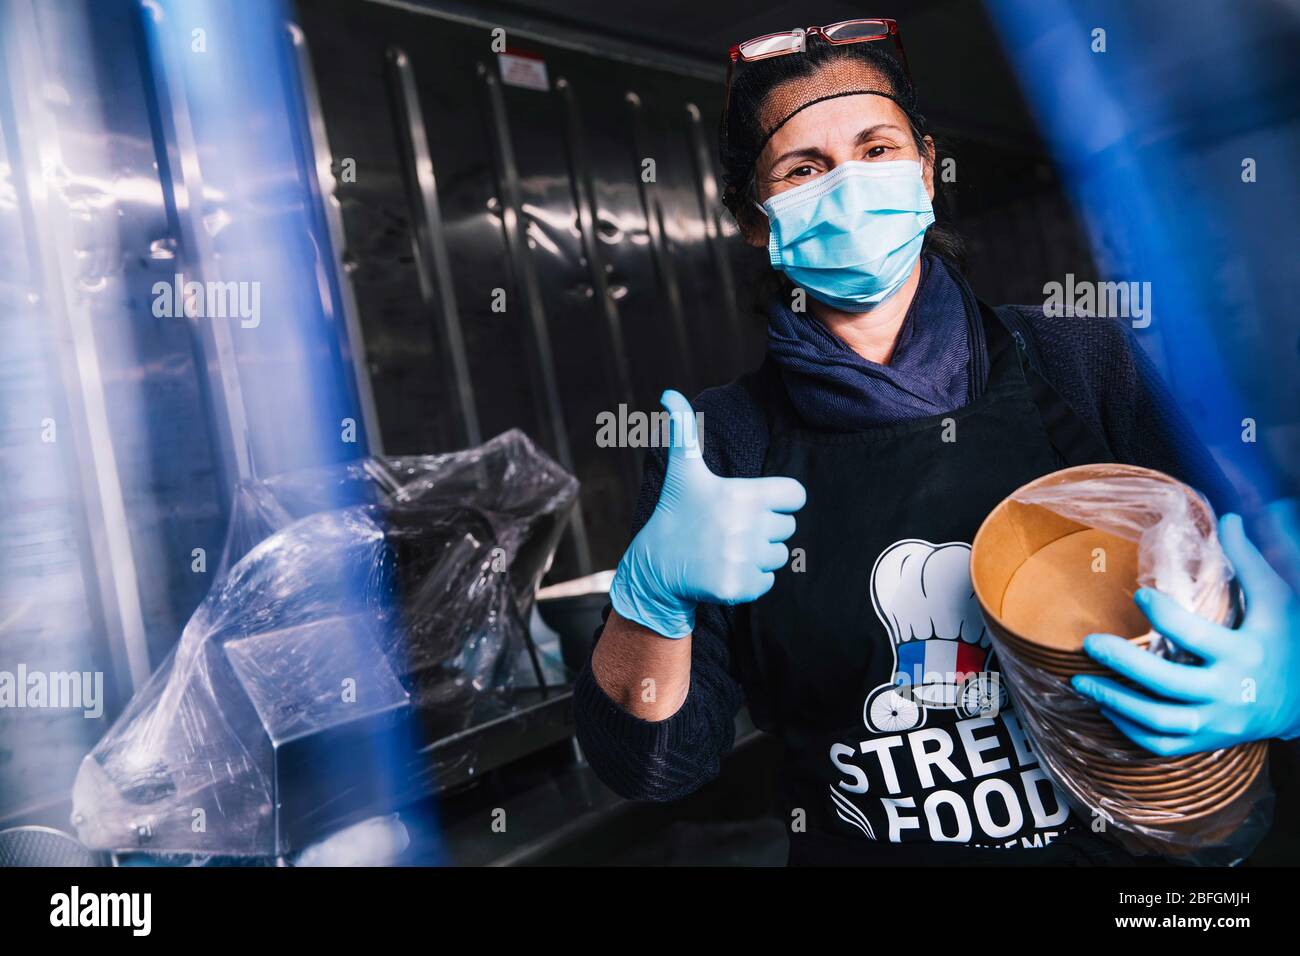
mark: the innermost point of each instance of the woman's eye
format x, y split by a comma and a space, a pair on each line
801, 172
875, 152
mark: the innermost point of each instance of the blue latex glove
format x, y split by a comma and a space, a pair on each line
1248, 686
710, 539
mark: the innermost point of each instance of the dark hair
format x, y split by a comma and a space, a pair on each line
742, 135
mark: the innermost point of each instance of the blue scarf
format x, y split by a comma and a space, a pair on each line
834, 388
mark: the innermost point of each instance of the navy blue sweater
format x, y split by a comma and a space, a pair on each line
1095, 366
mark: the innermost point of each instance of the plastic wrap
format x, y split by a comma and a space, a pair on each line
1210, 808
347, 598
1173, 527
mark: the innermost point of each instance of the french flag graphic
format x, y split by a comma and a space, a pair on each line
937, 660
922, 594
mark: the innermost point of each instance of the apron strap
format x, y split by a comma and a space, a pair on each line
766, 387
1072, 438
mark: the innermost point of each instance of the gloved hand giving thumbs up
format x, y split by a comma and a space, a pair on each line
710, 539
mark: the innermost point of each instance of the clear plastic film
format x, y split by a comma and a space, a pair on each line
1207, 809
1173, 527
352, 604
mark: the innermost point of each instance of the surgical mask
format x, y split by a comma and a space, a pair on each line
851, 236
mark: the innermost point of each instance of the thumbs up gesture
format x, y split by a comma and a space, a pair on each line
710, 539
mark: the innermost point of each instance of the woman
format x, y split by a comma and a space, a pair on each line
839, 486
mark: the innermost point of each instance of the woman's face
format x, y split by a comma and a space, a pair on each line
866, 128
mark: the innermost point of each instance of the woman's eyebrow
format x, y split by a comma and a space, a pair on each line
812, 152
868, 134
807, 152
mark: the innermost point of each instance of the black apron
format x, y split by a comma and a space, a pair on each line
869, 657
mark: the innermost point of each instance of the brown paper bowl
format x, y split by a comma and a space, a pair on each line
1095, 758
1033, 575
1223, 797
1032, 571
1171, 781
1058, 665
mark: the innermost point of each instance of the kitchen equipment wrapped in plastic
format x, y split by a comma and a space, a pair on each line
1060, 559
357, 608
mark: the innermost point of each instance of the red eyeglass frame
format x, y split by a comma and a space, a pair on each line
891, 28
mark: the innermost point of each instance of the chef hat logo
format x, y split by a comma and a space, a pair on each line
922, 593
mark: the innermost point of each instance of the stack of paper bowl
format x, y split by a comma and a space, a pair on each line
1045, 582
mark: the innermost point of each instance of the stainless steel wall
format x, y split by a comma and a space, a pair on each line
512, 265
615, 288
109, 471
131, 153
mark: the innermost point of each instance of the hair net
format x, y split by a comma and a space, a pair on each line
766, 94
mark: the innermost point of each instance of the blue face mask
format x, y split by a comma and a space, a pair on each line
851, 236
